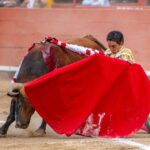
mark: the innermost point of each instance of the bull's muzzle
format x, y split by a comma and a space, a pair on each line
22, 126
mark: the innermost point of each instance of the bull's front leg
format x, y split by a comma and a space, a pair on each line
41, 131
10, 119
147, 124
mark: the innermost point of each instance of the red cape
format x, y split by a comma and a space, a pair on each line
97, 96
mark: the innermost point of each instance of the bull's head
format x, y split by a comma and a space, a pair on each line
32, 67
24, 109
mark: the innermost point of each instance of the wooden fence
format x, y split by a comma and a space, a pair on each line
19, 28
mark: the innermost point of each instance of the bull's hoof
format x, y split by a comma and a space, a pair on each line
2, 133
40, 132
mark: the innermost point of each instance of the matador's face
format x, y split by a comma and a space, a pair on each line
114, 46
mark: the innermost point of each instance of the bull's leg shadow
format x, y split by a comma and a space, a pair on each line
10, 119
41, 131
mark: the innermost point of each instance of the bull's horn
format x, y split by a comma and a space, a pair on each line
15, 89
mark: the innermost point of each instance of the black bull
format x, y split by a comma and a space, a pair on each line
34, 66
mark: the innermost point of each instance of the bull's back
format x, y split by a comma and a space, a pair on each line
84, 42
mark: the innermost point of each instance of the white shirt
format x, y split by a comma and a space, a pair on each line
96, 2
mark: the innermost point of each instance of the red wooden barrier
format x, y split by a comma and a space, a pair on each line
19, 28
142, 2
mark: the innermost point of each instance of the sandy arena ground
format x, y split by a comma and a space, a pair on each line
18, 139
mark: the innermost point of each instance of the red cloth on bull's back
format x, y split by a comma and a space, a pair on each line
96, 96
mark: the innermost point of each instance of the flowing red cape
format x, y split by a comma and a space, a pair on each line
96, 96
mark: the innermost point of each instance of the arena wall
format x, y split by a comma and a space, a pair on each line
19, 28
